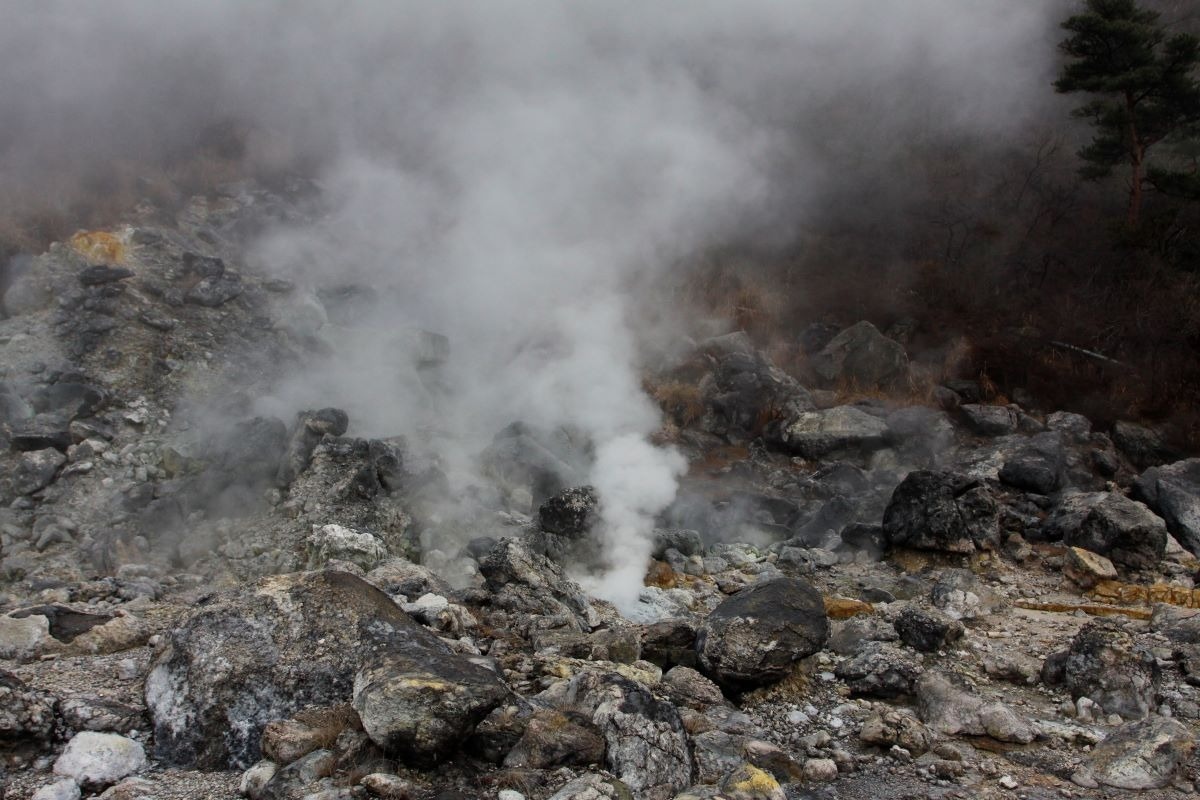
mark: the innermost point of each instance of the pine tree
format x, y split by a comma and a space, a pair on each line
1143, 88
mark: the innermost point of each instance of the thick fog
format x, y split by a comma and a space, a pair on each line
515, 175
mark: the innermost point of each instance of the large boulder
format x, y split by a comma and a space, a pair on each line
951, 708
570, 513
309, 639
535, 589
26, 714
1143, 446
842, 429
645, 742
310, 428
754, 638
1036, 465
745, 392
1150, 754
1105, 665
991, 420
880, 669
937, 510
862, 357
1109, 524
100, 759
1173, 492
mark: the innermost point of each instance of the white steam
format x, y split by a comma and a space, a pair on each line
635, 481
512, 175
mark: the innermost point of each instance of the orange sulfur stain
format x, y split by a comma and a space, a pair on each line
99, 247
845, 607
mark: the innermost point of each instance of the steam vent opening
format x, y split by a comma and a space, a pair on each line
599, 401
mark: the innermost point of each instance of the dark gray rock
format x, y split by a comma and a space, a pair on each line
850, 637
683, 541
571, 513
529, 584
213, 292
310, 428
41, 432
1141, 445
1075, 426
1105, 664
865, 538
36, 470
1037, 466
991, 420
1109, 524
941, 511
754, 638
27, 715
670, 642
880, 669
687, 687
309, 639
839, 430
926, 631
1173, 492
100, 275
70, 399
747, 393
418, 700
862, 357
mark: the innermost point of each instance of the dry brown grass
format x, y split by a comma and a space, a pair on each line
679, 400
327, 724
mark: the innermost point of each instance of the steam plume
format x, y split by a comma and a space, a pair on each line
513, 174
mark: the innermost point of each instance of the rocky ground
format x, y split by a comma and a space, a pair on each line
850, 598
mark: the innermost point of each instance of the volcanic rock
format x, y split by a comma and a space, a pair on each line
1109, 524
926, 631
309, 639
880, 669
1173, 492
843, 429
647, 747
1149, 754
991, 420
36, 470
941, 511
754, 638
99, 759
952, 709
862, 357
1104, 664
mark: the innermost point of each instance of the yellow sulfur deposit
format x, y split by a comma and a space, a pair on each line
99, 247
1131, 593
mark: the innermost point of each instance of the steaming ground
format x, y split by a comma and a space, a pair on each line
514, 177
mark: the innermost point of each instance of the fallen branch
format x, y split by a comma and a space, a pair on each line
1090, 354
